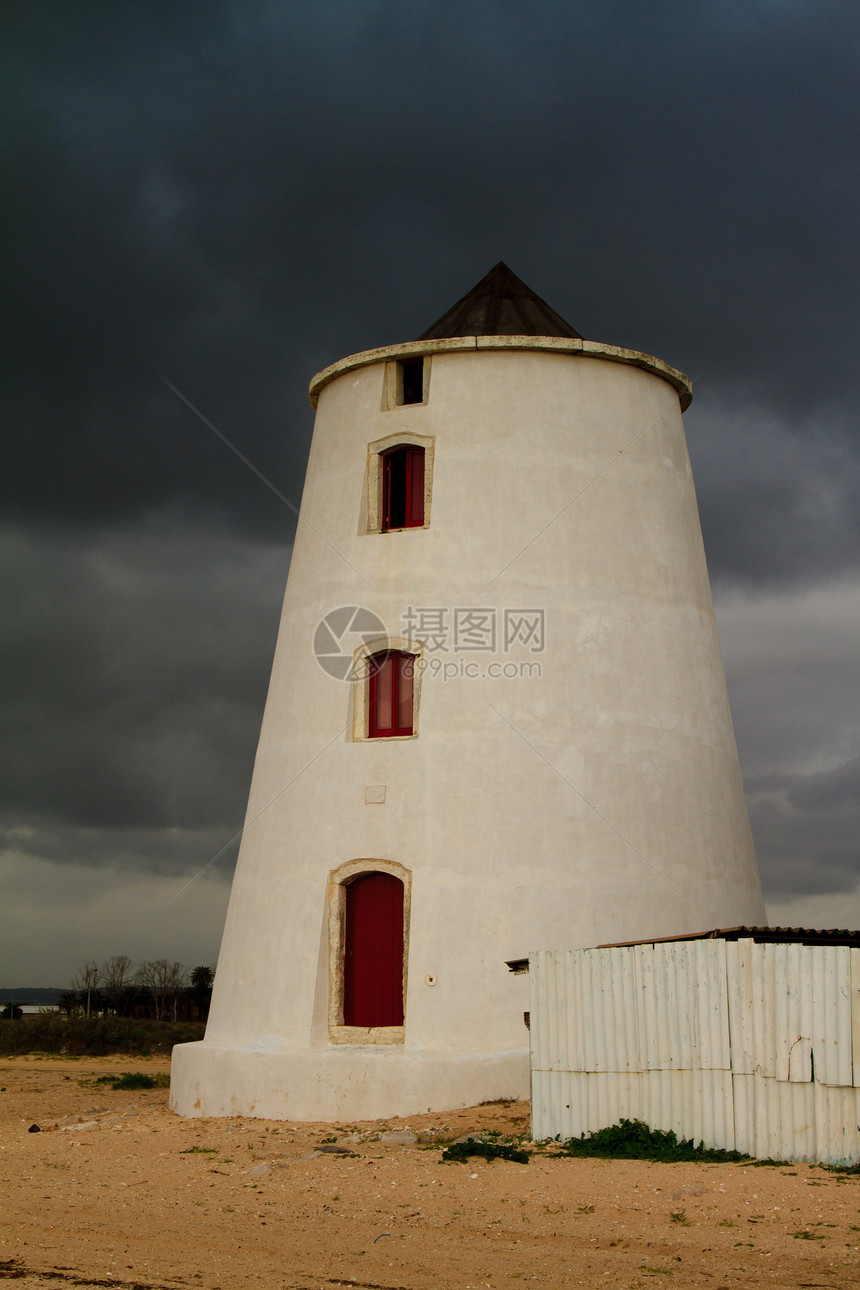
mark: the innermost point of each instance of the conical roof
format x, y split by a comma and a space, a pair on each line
500, 305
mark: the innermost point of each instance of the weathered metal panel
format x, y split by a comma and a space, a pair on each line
558, 1031
743, 1107
619, 1048
741, 1009
664, 1007
834, 1036
711, 1012
840, 1140
647, 988
550, 975
713, 1109
590, 1007
556, 1103
855, 1017
805, 1008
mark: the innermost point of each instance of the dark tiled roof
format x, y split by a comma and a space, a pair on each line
778, 935
500, 305
784, 935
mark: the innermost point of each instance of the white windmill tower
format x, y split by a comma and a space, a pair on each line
497, 720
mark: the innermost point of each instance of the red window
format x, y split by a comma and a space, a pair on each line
373, 951
391, 694
403, 488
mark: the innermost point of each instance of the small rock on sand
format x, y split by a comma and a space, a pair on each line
404, 1136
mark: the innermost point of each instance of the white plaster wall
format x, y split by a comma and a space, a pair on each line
601, 802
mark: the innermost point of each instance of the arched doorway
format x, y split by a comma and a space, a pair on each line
373, 951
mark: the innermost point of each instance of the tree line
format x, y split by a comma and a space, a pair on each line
156, 988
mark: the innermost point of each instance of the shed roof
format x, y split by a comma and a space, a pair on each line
781, 935
500, 305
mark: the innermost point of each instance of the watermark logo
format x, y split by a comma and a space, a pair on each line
461, 629
340, 634
447, 641
467, 669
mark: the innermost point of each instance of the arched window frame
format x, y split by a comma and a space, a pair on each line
361, 672
376, 453
339, 880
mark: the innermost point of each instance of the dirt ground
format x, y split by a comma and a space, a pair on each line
117, 1191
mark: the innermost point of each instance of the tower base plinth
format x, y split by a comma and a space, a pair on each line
338, 1084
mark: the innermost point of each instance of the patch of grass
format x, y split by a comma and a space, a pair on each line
199, 1151
680, 1216
463, 1151
135, 1079
633, 1140
808, 1236
47, 1033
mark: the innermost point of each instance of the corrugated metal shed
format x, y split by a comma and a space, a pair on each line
745, 1044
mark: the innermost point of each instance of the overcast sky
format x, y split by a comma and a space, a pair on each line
236, 194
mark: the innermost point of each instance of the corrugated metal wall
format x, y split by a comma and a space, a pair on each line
746, 1046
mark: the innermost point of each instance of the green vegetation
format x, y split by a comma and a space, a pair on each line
80, 1036
462, 1151
633, 1140
136, 1079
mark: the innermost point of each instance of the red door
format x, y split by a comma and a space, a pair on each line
373, 959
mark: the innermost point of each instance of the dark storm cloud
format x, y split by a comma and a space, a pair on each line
778, 505
809, 826
132, 686
838, 788
791, 664
237, 194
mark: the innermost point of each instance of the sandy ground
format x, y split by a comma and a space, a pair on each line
117, 1191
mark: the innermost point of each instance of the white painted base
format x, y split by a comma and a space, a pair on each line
347, 1083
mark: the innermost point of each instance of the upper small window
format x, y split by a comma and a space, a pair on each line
410, 380
403, 488
390, 697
